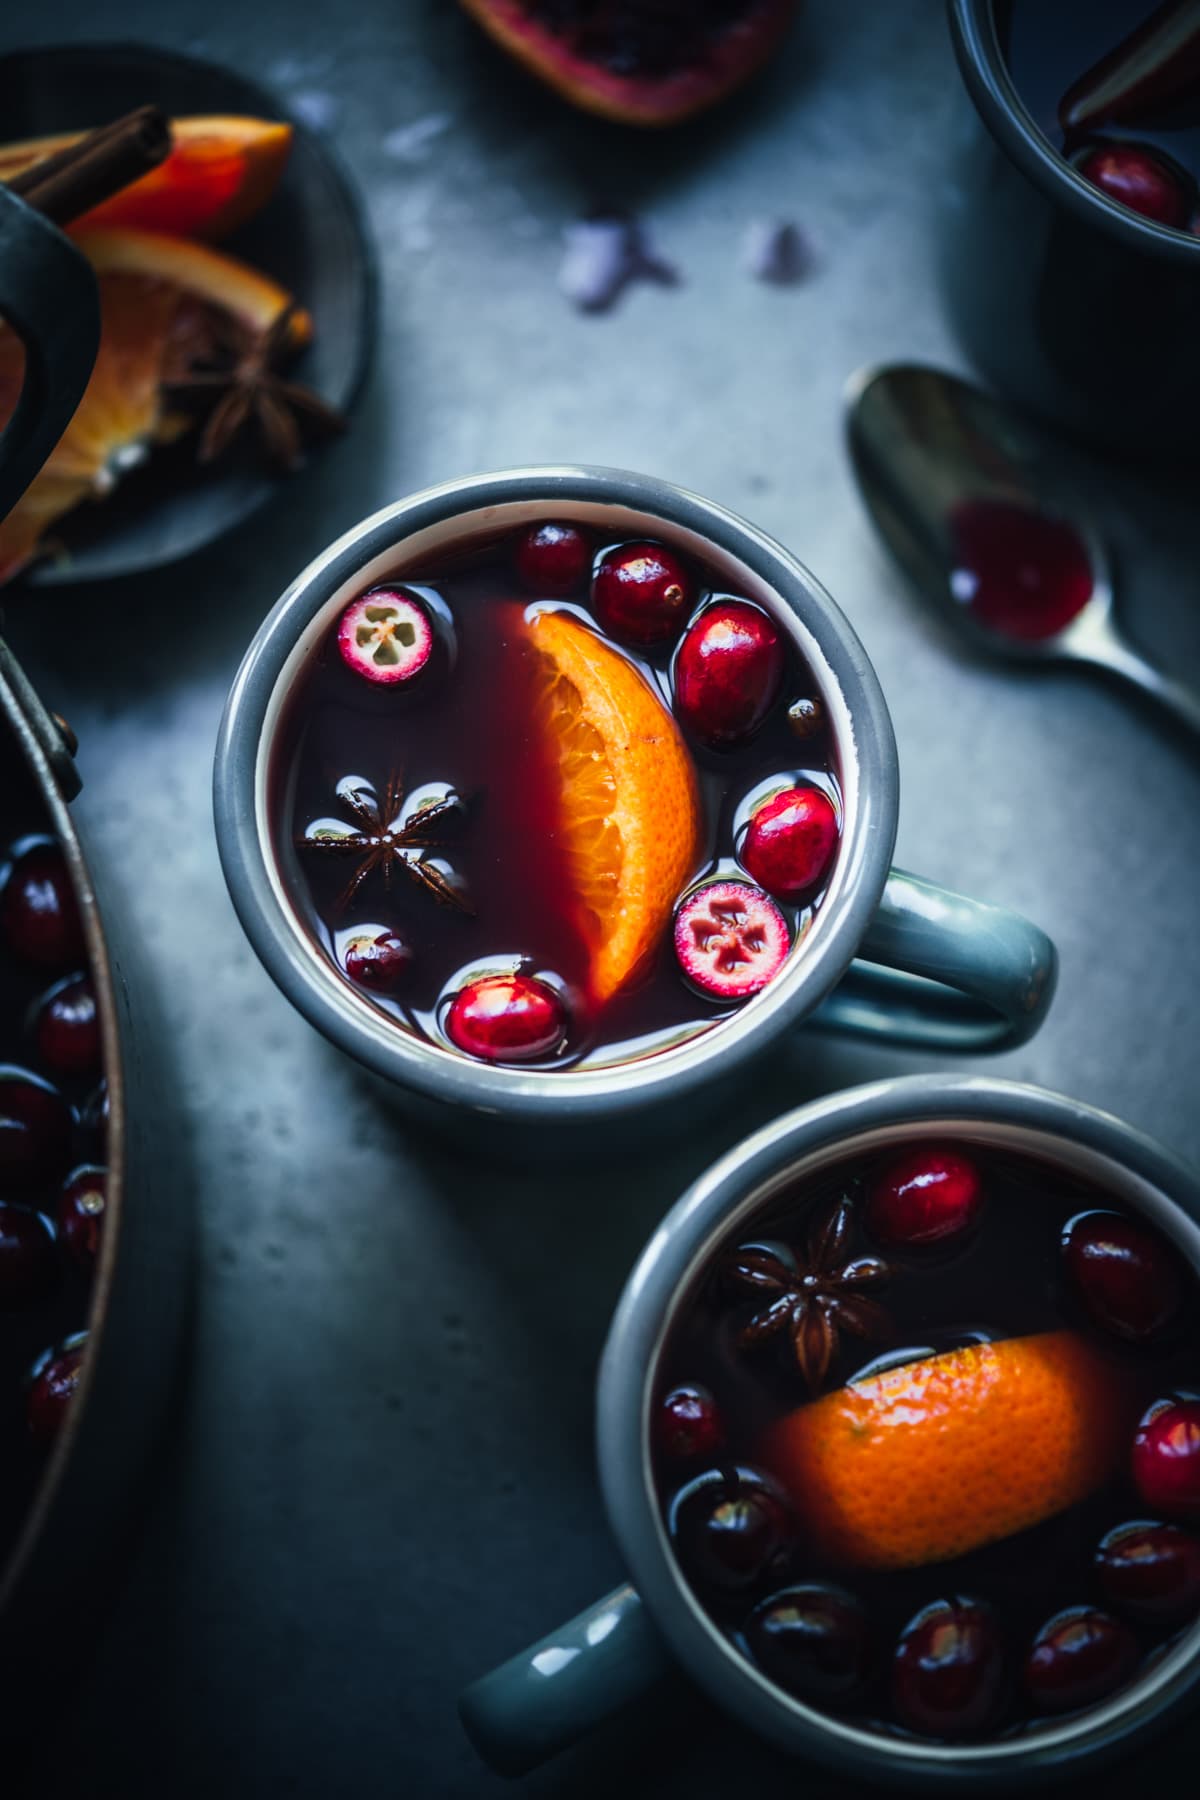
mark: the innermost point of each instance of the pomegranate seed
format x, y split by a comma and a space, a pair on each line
688, 1425
81, 1210
728, 673
730, 939
553, 559
385, 636
27, 1261
1141, 179
67, 1029
507, 1018
1127, 1277
948, 1669
1077, 1657
925, 1196
38, 910
51, 1393
377, 961
814, 1640
642, 593
790, 842
1166, 1458
1151, 1572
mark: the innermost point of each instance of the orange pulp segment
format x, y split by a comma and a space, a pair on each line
629, 807
927, 1461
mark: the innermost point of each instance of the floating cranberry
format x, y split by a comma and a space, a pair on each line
1139, 178
730, 939
51, 1392
385, 636
1166, 1458
1077, 1657
731, 1530
38, 910
1151, 1572
790, 842
35, 1131
948, 1670
925, 1196
1127, 1277
642, 593
688, 1426
507, 1018
27, 1260
66, 1033
728, 672
377, 961
553, 559
81, 1210
814, 1640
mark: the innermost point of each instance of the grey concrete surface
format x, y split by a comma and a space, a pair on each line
382, 1480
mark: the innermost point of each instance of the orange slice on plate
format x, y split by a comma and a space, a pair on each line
220, 172
629, 807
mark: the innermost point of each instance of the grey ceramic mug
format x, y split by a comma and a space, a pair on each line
553, 1693
933, 969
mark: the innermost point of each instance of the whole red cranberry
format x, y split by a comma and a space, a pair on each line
728, 673
377, 960
67, 1029
553, 559
507, 1018
38, 911
731, 1530
1077, 1657
1139, 178
948, 1671
51, 1392
35, 1131
925, 1196
688, 1425
27, 1260
642, 593
81, 1210
1151, 1572
1127, 1277
1166, 1458
790, 842
814, 1640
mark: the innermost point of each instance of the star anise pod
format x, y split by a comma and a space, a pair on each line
244, 373
382, 839
814, 1297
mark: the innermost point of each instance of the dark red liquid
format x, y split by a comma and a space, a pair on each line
465, 728
1006, 1277
1018, 572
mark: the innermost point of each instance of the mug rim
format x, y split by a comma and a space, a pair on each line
823, 1131
998, 101
864, 740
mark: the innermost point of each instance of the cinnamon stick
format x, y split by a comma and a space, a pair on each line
100, 164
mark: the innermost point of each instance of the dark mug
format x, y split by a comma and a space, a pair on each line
1081, 310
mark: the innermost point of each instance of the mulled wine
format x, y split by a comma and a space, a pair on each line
555, 800
926, 1441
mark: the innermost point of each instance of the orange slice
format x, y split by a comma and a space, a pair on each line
630, 812
930, 1460
220, 172
158, 297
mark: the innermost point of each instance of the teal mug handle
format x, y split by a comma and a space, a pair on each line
937, 971
559, 1689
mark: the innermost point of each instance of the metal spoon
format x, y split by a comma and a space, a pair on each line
923, 443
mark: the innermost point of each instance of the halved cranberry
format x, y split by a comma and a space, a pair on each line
385, 636
553, 559
35, 1131
1077, 1657
730, 939
728, 672
948, 1670
642, 593
814, 1640
1126, 1275
1166, 1458
377, 961
507, 1018
925, 1196
1151, 1572
1140, 178
688, 1425
790, 842
27, 1261
81, 1209
731, 1530
67, 1029
38, 910
51, 1392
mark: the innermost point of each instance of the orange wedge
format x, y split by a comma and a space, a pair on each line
930, 1460
220, 172
159, 299
629, 808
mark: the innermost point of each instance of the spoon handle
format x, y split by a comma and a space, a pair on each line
1114, 654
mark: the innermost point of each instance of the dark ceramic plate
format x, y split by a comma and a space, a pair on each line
311, 237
